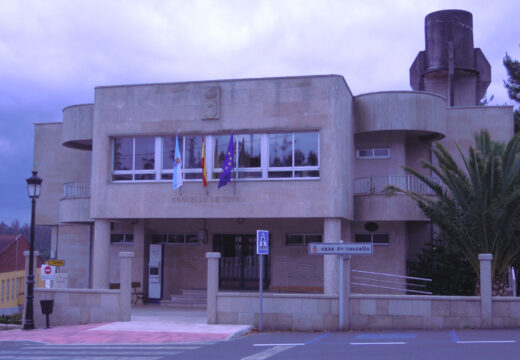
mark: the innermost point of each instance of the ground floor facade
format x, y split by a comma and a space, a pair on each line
170, 253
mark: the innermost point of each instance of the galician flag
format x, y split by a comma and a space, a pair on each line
227, 168
177, 166
203, 164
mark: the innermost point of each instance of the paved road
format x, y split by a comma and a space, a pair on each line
403, 345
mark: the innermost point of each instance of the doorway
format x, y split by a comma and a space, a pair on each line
238, 265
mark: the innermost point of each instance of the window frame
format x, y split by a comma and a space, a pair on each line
184, 235
293, 169
304, 236
125, 241
372, 155
372, 239
213, 173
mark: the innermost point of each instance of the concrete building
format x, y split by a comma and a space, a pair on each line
311, 161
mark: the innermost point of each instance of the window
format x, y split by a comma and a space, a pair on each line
134, 158
122, 239
175, 239
294, 155
263, 156
191, 155
247, 155
302, 239
376, 239
373, 153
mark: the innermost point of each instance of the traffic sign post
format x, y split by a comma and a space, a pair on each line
344, 252
262, 248
47, 272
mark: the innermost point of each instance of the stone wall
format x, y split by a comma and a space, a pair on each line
304, 312
379, 312
77, 306
308, 312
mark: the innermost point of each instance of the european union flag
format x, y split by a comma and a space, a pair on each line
227, 168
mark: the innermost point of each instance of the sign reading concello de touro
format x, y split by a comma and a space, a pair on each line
339, 249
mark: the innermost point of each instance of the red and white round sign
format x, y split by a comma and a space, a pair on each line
47, 272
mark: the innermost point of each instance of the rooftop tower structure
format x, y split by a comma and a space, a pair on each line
450, 65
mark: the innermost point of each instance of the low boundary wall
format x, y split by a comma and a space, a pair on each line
308, 312
77, 306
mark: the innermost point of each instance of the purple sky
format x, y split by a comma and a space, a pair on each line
53, 53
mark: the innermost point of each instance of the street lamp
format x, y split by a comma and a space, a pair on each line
34, 184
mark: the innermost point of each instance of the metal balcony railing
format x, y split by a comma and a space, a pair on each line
378, 184
76, 190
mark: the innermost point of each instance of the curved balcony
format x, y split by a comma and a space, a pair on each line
371, 203
75, 204
416, 113
77, 126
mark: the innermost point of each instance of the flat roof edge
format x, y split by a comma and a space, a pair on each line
225, 80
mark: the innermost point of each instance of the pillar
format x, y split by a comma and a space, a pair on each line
138, 268
101, 254
212, 281
125, 291
486, 290
346, 291
331, 234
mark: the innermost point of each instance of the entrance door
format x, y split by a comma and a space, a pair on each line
238, 265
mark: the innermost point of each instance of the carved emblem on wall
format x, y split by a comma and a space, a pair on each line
211, 103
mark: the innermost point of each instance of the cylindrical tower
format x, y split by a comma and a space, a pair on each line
450, 65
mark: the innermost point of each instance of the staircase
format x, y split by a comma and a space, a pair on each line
195, 299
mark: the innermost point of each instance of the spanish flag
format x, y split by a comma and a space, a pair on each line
203, 164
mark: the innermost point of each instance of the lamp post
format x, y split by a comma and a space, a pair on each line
34, 184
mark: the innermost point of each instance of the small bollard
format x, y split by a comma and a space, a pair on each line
47, 306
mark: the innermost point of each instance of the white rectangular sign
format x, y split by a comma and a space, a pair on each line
339, 249
47, 272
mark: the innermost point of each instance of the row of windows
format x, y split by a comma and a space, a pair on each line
290, 240
256, 156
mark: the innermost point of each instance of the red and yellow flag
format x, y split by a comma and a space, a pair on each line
203, 164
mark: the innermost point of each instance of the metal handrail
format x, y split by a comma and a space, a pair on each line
76, 190
404, 284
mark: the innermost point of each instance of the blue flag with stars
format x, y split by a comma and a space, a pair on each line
227, 168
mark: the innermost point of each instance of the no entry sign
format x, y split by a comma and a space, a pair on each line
47, 272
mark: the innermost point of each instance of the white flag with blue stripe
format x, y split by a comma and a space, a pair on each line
177, 166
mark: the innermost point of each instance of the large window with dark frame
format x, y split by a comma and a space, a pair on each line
291, 155
376, 239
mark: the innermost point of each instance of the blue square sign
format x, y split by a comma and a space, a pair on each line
262, 242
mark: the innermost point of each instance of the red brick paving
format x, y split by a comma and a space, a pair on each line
86, 334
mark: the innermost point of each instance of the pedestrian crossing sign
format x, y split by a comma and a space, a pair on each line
262, 242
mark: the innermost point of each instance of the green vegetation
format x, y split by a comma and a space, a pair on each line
477, 207
513, 85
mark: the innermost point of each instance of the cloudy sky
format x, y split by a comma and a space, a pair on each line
53, 53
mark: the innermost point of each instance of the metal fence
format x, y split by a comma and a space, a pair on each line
375, 280
378, 184
76, 190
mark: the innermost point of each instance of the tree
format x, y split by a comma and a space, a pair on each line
477, 207
513, 85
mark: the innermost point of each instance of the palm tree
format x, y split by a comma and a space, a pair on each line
477, 206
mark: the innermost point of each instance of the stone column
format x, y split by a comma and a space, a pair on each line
101, 254
486, 290
35, 259
125, 292
331, 234
138, 268
346, 291
212, 281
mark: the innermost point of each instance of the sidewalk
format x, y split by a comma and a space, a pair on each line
150, 324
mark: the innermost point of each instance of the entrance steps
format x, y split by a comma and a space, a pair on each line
192, 298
